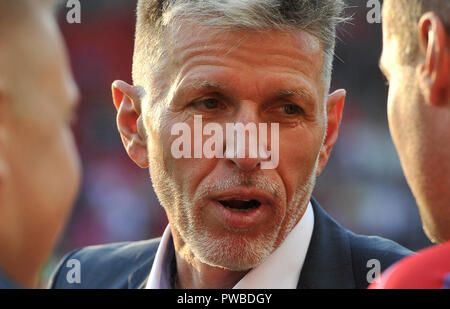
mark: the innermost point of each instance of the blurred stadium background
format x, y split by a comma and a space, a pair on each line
363, 186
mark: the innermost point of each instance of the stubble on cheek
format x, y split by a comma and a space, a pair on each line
185, 203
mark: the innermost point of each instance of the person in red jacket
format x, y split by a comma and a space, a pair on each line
416, 61
428, 269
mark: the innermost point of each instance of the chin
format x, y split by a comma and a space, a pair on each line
432, 234
435, 231
233, 251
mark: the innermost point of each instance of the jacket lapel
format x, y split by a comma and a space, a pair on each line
138, 279
328, 262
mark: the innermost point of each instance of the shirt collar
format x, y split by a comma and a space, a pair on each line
280, 270
160, 274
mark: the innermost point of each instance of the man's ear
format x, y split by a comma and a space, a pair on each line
434, 73
335, 106
127, 101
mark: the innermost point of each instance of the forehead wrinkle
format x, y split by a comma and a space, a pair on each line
300, 53
204, 42
221, 69
208, 50
217, 54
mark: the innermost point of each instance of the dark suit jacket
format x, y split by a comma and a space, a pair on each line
336, 258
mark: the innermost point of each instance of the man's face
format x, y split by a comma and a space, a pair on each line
419, 132
245, 77
45, 169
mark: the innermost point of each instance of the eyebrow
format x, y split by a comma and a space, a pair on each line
301, 94
206, 85
199, 85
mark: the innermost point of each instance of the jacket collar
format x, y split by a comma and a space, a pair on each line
328, 263
138, 278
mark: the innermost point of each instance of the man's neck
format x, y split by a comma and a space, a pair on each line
193, 274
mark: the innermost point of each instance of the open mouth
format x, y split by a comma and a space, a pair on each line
241, 205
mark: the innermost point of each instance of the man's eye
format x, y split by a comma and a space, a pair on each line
207, 103
211, 103
292, 109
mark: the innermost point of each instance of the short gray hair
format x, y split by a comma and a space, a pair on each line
317, 17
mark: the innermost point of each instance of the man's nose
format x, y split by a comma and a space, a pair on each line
242, 145
245, 164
